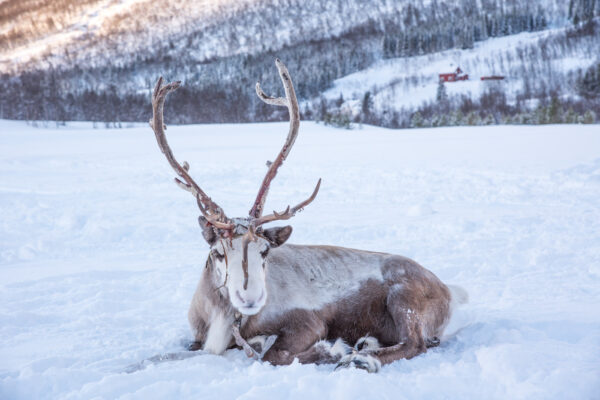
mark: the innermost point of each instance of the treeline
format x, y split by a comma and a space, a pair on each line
36, 96
216, 92
491, 108
589, 84
458, 28
219, 91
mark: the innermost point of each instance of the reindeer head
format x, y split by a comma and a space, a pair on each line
238, 246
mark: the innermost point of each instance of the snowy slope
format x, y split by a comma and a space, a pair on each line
100, 254
101, 32
87, 30
551, 58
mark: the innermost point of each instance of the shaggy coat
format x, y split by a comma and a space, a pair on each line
389, 306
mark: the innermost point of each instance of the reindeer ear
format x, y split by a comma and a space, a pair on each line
207, 231
277, 236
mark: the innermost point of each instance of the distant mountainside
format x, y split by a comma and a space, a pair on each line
98, 59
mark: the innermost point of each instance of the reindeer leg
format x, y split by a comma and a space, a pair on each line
195, 346
322, 352
432, 342
411, 315
371, 359
361, 355
240, 341
369, 355
300, 338
407, 350
255, 347
262, 343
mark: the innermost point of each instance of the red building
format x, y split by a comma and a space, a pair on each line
454, 76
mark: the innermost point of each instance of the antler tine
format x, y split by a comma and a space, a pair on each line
214, 219
157, 123
291, 103
274, 101
289, 212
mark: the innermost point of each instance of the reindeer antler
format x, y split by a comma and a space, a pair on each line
291, 103
288, 212
211, 211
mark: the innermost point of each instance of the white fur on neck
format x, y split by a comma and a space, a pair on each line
219, 334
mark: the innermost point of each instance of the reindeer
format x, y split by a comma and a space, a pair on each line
309, 303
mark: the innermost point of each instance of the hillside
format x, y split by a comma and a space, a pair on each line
97, 60
535, 67
94, 32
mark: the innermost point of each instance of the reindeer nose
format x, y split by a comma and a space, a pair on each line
248, 303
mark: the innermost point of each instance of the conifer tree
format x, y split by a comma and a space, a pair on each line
441, 95
416, 120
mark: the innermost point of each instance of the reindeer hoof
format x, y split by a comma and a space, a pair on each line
367, 343
261, 344
361, 361
194, 346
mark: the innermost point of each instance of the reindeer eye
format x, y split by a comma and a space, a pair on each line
218, 256
264, 253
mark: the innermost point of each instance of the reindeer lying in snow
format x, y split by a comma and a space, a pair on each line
304, 302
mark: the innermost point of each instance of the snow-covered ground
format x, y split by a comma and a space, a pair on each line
100, 254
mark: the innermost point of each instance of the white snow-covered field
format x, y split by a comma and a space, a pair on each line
100, 254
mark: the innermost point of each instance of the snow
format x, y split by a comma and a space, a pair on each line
100, 254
